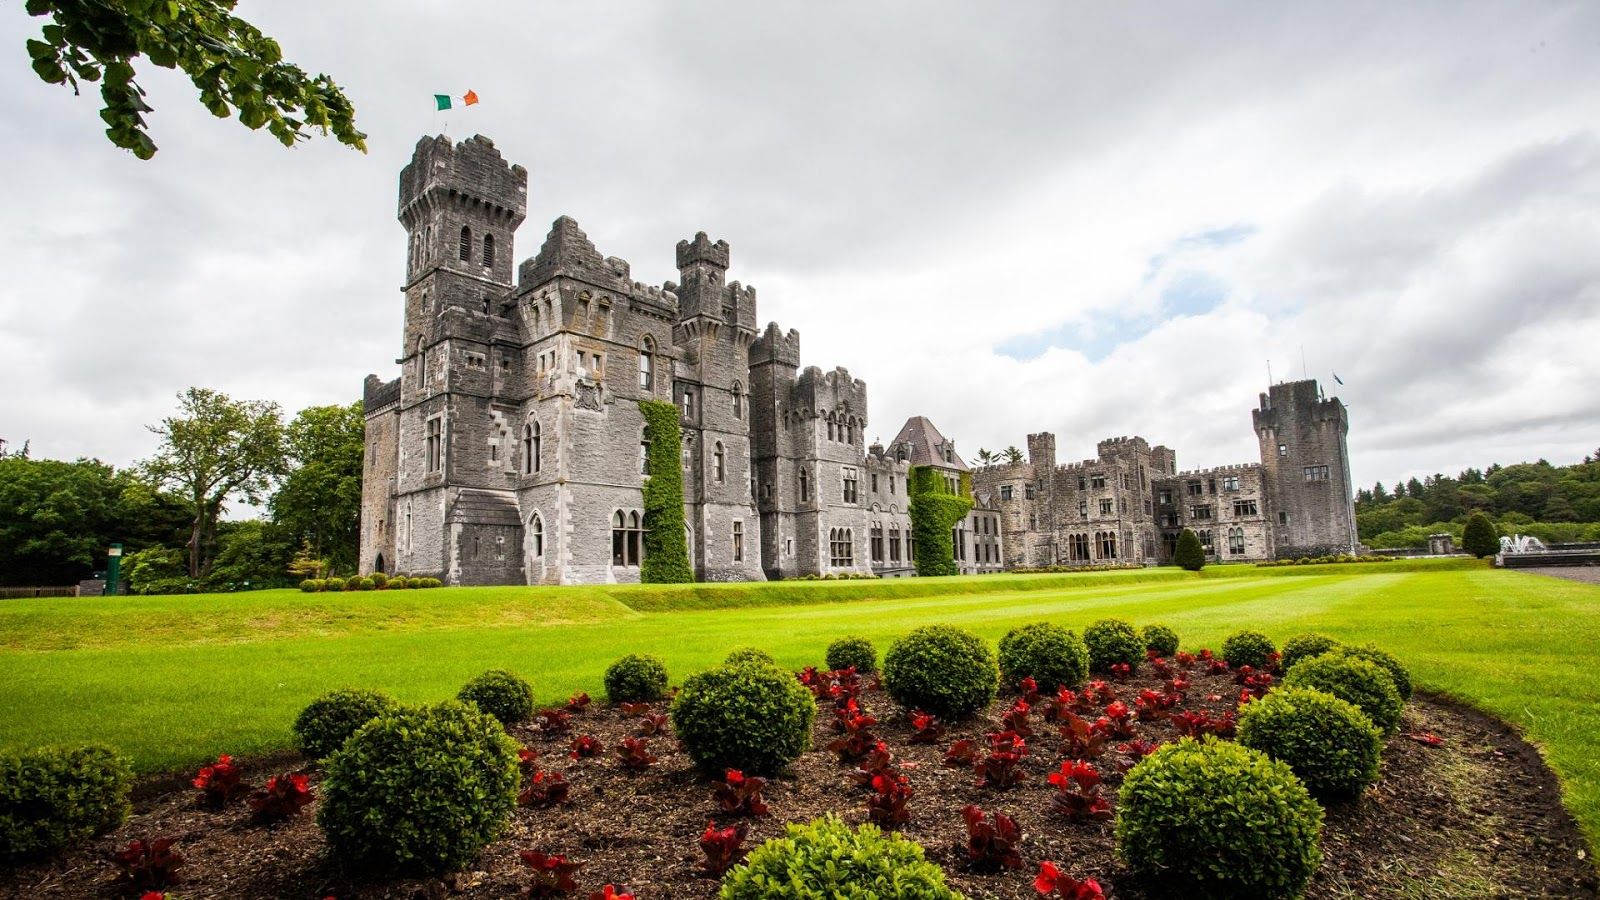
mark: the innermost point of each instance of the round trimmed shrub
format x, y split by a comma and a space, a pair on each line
311, 585
419, 789
398, 583
1305, 646
741, 655
1161, 639
1386, 661
426, 582
504, 695
1355, 680
636, 678
333, 584
365, 583
1112, 641
328, 721
1248, 648
54, 797
1328, 742
353, 583
755, 718
852, 651
1222, 820
941, 669
379, 580
1053, 656
827, 858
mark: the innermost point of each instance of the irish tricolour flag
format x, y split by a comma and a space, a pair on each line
446, 101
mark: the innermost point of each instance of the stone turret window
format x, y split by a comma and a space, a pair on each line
738, 542
536, 536
488, 250
647, 365
720, 463
738, 400
851, 483
466, 244
805, 486
531, 447
435, 445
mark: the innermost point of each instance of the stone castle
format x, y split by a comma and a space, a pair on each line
511, 448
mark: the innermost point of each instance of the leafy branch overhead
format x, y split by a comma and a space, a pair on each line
235, 66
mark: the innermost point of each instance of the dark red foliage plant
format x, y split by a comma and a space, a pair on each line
1185, 660
879, 762
545, 789
634, 754
552, 874
1133, 751
1098, 693
1081, 739
1000, 768
740, 794
586, 746
553, 722
220, 783
1118, 721
1217, 666
857, 741
578, 702
611, 892
1016, 719
1029, 689
962, 754
143, 865
886, 805
284, 796
1121, 671
1052, 882
1078, 793
528, 760
925, 727
630, 708
723, 848
1151, 706
1161, 667
651, 724
991, 843
1062, 704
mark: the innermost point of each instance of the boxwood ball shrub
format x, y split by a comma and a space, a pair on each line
1330, 744
1305, 646
501, 694
1112, 641
827, 858
420, 789
944, 670
54, 797
1218, 820
1051, 655
379, 580
333, 584
636, 678
328, 721
752, 717
852, 651
1248, 648
311, 585
740, 655
398, 583
1386, 661
1161, 639
1355, 680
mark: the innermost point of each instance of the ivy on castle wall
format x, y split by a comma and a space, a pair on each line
934, 511
666, 549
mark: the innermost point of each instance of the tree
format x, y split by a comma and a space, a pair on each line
234, 65
319, 500
1480, 537
1013, 455
986, 457
215, 450
253, 552
1189, 554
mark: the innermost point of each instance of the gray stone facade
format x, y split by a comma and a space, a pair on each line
510, 449
1129, 503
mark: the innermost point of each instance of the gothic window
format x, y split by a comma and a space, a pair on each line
738, 400
627, 539
488, 250
1108, 544
805, 486
644, 452
1205, 540
738, 542
647, 365
841, 547
466, 244
850, 432
536, 535
720, 461
435, 455
1078, 547
1236, 541
894, 543
1242, 508
830, 428
877, 543
850, 485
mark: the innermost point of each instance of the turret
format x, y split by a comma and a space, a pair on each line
461, 204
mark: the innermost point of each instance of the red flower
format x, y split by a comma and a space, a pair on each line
1052, 881
611, 892
1426, 738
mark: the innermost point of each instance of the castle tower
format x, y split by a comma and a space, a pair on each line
1306, 466
774, 367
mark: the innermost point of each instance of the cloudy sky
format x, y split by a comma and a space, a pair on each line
1090, 218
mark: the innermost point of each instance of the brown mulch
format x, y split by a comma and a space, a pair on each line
1480, 816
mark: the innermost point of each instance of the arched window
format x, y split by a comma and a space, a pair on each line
466, 244
644, 452
830, 427
627, 539
647, 365
805, 486
841, 552
488, 250
738, 400
531, 441
536, 536
721, 463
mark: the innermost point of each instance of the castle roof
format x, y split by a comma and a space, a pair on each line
928, 445
480, 507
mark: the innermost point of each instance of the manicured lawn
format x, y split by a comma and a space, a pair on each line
173, 681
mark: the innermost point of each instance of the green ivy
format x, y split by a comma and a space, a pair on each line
666, 550
934, 511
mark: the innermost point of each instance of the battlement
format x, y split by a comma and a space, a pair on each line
1111, 445
1299, 402
1214, 470
472, 171
377, 394
775, 346
702, 250
836, 391
568, 251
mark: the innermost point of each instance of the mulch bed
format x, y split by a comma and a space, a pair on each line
1479, 816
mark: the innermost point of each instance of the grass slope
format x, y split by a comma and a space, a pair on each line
175, 680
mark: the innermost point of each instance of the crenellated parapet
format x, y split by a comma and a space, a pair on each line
470, 175
819, 393
776, 346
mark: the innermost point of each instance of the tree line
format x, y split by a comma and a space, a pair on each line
1554, 503
58, 518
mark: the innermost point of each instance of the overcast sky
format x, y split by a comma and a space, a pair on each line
1094, 218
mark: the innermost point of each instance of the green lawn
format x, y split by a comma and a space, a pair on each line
176, 680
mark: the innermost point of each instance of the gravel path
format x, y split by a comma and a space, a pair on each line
1585, 574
